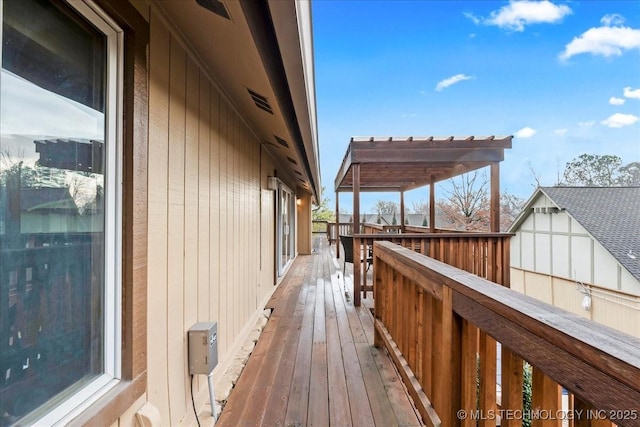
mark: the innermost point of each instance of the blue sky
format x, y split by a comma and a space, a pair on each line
562, 77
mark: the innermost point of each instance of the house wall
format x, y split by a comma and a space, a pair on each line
556, 244
211, 222
612, 308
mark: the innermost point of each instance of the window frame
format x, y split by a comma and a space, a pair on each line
132, 301
135, 117
70, 403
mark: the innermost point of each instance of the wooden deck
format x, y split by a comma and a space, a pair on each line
315, 363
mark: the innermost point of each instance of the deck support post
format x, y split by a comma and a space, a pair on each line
402, 211
495, 197
357, 286
337, 225
432, 205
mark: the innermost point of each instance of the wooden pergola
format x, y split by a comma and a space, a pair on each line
399, 164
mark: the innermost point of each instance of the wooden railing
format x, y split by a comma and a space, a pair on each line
333, 230
441, 325
483, 254
318, 226
370, 228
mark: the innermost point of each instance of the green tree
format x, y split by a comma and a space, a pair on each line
594, 170
322, 212
629, 175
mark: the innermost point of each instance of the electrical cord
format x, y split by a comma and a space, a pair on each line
193, 402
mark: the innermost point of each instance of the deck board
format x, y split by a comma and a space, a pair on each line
315, 363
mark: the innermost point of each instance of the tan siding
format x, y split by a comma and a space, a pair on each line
214, 204
205, 169
608, 307
211, 222
175, 263
157, 366
192, 206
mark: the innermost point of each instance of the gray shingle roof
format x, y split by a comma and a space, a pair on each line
610, 214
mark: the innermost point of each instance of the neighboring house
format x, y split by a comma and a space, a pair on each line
199, 119
574, 242
416, 220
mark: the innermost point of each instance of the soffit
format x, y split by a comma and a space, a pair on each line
226, 48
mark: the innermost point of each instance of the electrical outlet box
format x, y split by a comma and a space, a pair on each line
203, 348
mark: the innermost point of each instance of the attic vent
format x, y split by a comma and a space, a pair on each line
281, 141
298, 172
260, 101
549, 210
216, 6
292, 161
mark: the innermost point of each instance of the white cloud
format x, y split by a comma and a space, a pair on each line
611, 39
473, 18
518, 14
525, 132
560, 132
587, 124
619, 120
616, 101
451, 81
631, 93
613, 19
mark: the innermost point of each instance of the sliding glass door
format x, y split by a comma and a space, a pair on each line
285, 233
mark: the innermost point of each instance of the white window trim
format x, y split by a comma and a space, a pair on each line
89, 394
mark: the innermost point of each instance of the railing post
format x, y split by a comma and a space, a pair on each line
586, 416
468, 385
512, 381
546, 398
487, 380
447, 370
357, 270
380, 295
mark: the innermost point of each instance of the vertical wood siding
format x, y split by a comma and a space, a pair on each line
211, 222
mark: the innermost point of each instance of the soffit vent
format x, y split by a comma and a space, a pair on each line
260, 101
281, 141
216, 6
292, 160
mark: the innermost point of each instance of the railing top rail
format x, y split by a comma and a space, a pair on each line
592, 360
382, 236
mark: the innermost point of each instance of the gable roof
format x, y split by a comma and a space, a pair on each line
610, 214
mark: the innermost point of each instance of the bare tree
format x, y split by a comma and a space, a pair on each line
536, 176
467, 202
420, 207
383, 207
510, 207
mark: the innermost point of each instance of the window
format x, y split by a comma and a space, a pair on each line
60, 214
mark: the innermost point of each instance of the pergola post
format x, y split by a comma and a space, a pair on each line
337, 225
495, 197
355, 170
402, 211
432, 205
